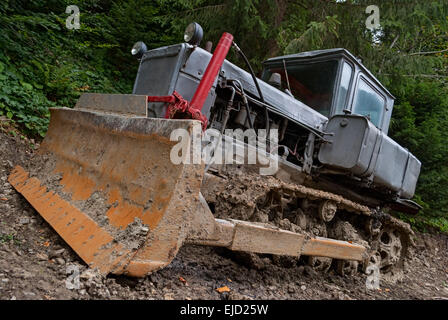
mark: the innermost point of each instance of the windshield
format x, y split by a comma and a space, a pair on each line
311, 83
369, 103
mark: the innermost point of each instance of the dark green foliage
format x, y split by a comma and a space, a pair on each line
43, 64
419, 123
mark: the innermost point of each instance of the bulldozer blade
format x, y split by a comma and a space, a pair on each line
106, 184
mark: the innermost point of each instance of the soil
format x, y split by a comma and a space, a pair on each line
35, 263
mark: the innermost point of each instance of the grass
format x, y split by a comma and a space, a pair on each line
426, 223
9, 238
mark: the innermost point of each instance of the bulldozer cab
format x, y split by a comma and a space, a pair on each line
332, 82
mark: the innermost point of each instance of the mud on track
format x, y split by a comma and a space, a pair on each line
34, 260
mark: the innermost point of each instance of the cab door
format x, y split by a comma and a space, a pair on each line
368, 101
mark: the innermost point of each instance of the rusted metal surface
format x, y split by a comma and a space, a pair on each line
256, 238
179, 108
324, 247
99, 174
84, 235
262, 238
131, 104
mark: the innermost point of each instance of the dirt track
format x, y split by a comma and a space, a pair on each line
34, 261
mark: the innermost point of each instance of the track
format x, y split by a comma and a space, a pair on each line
238, 193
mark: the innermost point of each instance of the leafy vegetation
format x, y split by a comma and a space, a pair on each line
10, 238
43, 64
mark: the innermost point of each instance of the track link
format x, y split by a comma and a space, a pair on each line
238, 193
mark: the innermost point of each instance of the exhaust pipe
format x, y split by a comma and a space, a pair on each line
212, 71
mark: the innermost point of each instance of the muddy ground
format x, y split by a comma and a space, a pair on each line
36, 264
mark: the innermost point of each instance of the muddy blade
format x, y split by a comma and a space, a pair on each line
106, 184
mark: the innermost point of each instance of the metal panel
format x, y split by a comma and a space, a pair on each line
157, 75
352, 145
175, 68
360, 148
391, 164
410, 177
257, 238
324, 247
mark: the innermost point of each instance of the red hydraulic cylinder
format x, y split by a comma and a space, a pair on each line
212, 71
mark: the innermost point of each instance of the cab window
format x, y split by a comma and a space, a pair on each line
344, 86
311, 83
368, 102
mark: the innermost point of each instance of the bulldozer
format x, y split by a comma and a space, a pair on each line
123, 180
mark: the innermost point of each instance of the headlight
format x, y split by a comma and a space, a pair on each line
139, 49
193, 33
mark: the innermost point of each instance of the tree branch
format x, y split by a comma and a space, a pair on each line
418, 75
395, 41
299, 3
428, 52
